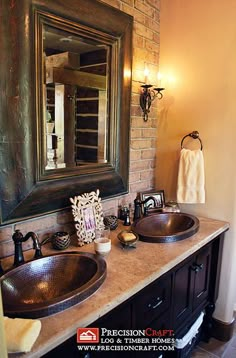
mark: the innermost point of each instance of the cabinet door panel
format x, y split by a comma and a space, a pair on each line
201, 279
182, 294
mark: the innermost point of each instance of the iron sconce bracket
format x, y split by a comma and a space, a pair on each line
148, 95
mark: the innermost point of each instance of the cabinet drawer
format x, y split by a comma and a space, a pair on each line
152, 302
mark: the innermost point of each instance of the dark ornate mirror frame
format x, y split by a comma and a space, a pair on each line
24, 191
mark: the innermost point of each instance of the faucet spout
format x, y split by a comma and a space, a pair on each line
36, 244
145, 207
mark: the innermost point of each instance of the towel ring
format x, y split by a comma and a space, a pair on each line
194, 135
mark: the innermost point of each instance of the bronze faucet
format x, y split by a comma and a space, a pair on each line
18, 238
140, 208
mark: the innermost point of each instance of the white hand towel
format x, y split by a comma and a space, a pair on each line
21, 333
191, 177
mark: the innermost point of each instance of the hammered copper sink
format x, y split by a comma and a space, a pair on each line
51, 284
166, 227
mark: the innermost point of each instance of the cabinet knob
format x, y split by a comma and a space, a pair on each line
70, 97
197, 267
158, 302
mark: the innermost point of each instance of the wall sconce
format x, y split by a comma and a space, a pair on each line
148, 95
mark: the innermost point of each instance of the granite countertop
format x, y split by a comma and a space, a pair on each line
128, 271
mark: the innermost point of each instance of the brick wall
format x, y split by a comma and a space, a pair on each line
143, 134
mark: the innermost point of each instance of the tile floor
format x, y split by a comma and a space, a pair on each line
216, 349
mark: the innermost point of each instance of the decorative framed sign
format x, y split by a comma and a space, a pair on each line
158, 195
88, 215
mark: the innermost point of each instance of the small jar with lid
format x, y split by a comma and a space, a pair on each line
171, 207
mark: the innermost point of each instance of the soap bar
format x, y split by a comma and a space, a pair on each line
21, 333
128, 236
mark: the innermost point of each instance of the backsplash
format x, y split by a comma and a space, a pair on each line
142, 137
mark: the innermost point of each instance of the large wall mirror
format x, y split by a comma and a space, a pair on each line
66, 111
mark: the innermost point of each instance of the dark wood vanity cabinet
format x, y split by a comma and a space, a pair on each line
173, 301
176, 299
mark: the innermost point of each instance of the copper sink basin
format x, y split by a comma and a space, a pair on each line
51, 284
166, 227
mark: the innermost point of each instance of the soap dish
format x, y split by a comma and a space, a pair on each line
124, 239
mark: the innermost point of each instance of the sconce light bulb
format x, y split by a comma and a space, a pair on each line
146, 74
146, 71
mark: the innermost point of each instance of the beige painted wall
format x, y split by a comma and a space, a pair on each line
198, 49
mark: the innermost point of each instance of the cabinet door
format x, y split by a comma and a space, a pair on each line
201, 272
182, 293
191, 286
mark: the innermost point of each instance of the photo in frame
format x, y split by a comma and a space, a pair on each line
159, 196
88, 216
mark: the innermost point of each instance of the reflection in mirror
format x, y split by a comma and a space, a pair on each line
75, 97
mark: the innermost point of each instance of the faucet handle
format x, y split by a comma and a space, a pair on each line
137, 208
17, 237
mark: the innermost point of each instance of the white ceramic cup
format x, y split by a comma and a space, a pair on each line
102, 245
